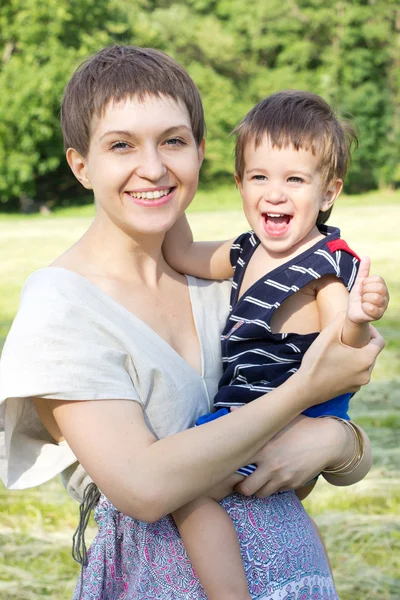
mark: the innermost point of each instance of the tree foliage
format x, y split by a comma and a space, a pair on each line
237, 52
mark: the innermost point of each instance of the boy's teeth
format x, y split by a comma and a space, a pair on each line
274, 215
150, 195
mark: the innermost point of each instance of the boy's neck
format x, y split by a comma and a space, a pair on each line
272, 260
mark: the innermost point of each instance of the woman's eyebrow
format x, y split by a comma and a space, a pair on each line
175, 128
122, 132
126, 133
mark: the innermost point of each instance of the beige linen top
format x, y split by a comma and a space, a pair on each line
71, 341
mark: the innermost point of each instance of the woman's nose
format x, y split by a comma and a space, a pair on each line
151, 165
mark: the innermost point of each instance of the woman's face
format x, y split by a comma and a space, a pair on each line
143, 164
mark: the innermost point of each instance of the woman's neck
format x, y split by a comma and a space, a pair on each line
106, 251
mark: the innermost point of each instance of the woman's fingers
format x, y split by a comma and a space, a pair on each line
257, 485
376, 343
249, 485
374, 348
275, 470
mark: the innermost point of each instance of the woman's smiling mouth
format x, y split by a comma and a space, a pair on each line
151, 194
156, 197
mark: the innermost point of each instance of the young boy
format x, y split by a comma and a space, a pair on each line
291, 276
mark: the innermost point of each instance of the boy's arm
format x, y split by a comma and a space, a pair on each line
210, 260
366, 302
332, 298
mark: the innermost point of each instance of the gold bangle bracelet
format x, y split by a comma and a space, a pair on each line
348, 466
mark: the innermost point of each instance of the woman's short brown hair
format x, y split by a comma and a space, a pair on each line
119, 72
303, 120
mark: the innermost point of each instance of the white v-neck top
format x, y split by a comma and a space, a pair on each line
72, 341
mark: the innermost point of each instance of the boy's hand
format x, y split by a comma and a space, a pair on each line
369, 297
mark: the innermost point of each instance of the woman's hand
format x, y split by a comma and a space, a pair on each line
298, 453
332, 368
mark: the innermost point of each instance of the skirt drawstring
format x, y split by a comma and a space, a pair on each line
91, 496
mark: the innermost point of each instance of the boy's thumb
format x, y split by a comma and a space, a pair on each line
364, 268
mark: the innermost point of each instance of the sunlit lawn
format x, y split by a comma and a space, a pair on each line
361, 524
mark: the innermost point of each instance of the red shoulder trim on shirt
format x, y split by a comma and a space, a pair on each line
341, 245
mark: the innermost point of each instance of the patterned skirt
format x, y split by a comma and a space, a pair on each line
282, 555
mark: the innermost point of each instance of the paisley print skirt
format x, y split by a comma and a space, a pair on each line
282, 555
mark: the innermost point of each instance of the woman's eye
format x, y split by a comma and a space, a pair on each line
295, 179
119, 146
175, 142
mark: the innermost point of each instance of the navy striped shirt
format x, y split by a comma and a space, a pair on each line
255, 360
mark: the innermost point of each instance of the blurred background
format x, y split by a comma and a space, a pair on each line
237, 52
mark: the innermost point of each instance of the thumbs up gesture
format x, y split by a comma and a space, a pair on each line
369, 297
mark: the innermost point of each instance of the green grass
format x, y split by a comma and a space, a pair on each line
361, 524
36, 528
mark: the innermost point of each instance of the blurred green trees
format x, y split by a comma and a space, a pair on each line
237, 52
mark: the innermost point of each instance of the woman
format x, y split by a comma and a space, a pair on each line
120, 354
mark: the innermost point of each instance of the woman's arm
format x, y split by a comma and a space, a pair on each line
210, 260
148, 478
357, 467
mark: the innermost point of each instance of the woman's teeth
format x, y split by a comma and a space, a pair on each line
150, 195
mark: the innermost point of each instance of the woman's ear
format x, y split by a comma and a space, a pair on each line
79, 167
201, 151
331, 193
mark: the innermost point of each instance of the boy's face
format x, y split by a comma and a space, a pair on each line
282, 195
143, 164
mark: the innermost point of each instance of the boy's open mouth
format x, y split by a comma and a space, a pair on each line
276, 224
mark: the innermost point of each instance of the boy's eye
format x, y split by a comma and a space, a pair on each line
260, 177
119, 146
295, 179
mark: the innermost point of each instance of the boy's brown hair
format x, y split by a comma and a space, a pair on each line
303, 120
119, 72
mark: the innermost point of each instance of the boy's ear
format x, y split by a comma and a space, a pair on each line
331, 193
78, 166
238, 183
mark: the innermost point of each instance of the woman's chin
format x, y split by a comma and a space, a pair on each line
151, 230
